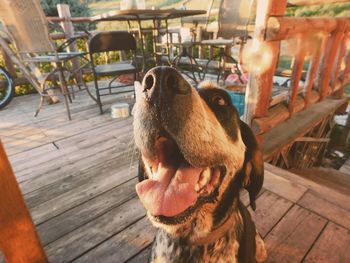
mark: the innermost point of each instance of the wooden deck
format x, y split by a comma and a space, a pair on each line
78, 180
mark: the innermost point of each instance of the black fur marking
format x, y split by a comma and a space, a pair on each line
226, 114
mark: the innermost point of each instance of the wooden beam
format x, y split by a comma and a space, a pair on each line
344, 79
277, 138
280, 28
333, 44
275, 116
55, 19
340, 60
296, 75
68, 28
314, 2
312, 71
312, 139
260, 83
19, 241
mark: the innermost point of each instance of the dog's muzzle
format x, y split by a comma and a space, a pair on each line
162, 84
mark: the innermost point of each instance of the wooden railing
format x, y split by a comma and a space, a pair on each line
326, 74
324, 42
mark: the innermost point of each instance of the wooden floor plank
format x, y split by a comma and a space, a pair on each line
333, 246
328, 193
345, 168
95, 232
34, 157
270, 209
293, 236
324, 207
58, 226
123, 246
95, 186
68, 178
142, 257
283, 187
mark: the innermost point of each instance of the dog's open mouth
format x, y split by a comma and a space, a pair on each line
175, 189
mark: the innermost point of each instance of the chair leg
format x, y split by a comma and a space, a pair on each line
98, 95
40, 106
64, 89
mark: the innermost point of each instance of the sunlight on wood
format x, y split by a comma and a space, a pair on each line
258, 55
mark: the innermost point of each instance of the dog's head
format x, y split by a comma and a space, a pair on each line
192, 152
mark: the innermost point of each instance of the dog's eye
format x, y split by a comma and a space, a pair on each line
219, 100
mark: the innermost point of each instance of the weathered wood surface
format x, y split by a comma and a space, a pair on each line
277, 137
19, 241
260, 83
345, 167
78, 181
314, 2
280, 28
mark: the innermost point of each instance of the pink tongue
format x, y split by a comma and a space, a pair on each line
172, 192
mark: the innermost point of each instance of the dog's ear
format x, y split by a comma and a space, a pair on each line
253, 169
141, 172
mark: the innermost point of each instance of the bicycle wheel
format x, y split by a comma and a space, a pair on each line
7, 87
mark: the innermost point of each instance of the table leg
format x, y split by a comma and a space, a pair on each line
142, 46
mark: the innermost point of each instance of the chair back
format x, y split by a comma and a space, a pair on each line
112, 41
202, 20
234, 17
27, 25
19, 241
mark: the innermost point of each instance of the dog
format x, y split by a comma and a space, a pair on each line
196, 156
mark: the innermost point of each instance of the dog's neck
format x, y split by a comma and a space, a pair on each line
216, 233
219, 243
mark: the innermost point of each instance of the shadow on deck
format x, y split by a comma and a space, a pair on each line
78, 180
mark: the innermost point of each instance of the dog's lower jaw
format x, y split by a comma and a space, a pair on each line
197, 226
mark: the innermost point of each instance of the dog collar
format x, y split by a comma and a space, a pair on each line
216, 234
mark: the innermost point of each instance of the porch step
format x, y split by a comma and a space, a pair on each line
345, 169
329, 177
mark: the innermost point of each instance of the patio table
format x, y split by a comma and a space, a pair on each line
155, 15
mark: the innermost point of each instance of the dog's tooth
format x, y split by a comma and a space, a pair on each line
197, 188
204, 178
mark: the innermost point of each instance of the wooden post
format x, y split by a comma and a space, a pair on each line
340, 92
259, 86
199, 39
68, 28
311, 74
19, 241
340, 61
296, 75
9, 64
330, 57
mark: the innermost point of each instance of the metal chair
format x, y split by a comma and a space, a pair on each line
112, 41
233, 21
192, 27
28, 31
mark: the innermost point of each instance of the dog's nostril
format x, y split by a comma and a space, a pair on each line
148, 87
149, 81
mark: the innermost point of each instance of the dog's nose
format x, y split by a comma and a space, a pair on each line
162, 83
